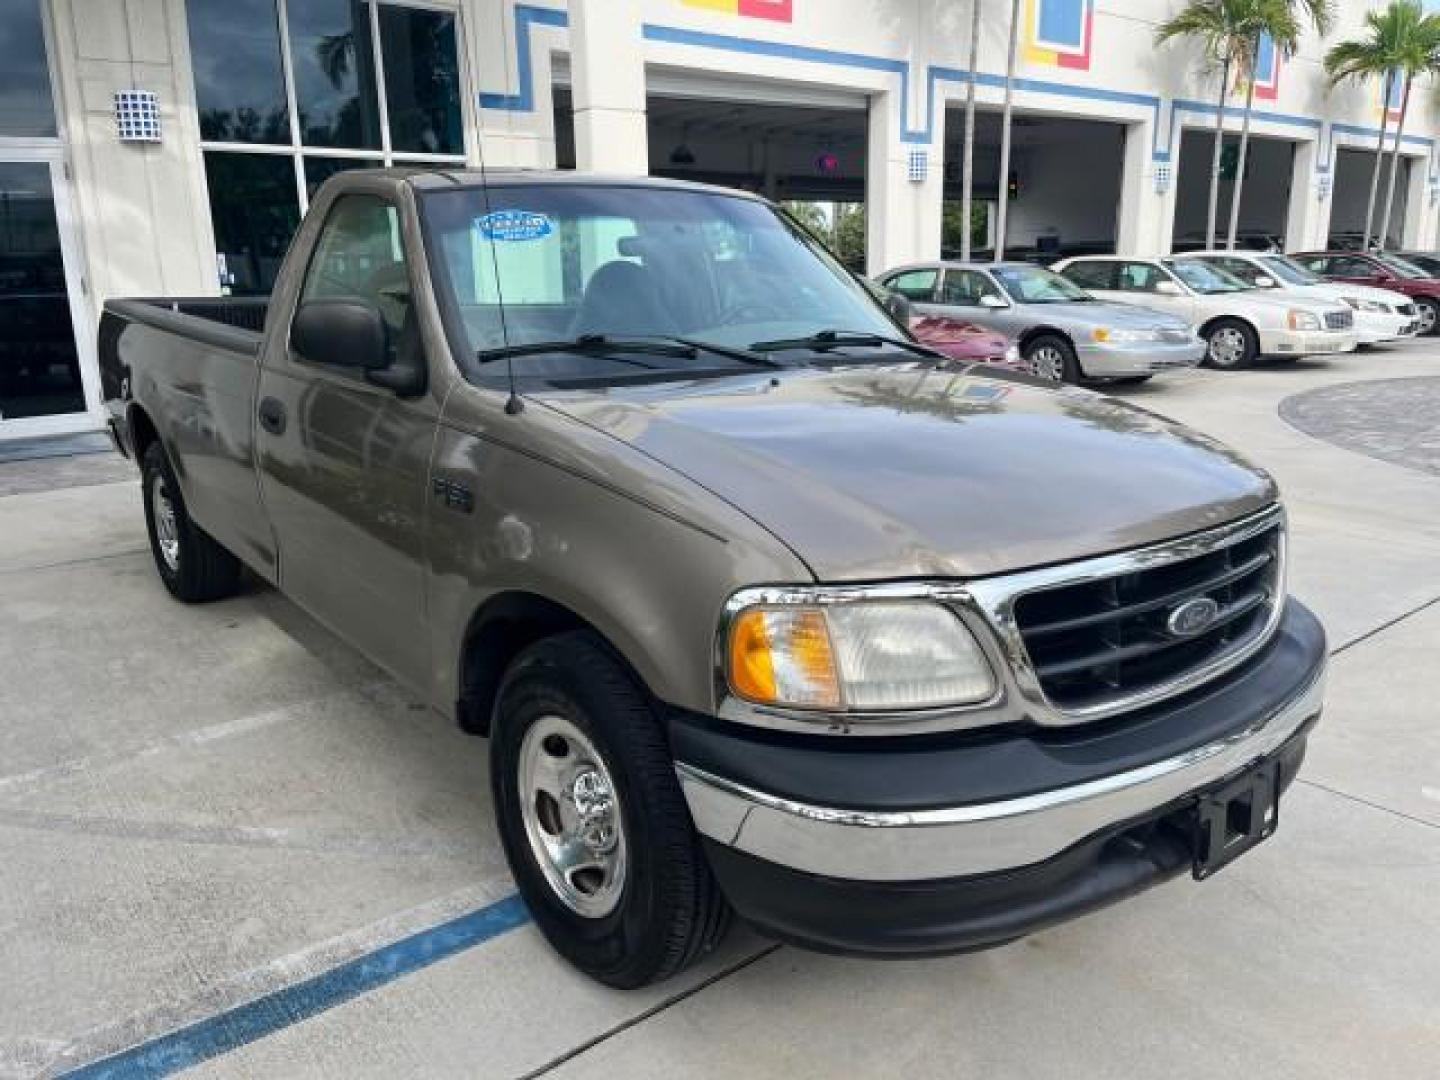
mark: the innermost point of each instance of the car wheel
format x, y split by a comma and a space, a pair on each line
1427, 313
192, 565
1230, 345
595, 827
1051, 357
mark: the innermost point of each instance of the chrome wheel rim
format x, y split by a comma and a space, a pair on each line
1227, 347
1428, 316
572, 817
1048, 362
167, 531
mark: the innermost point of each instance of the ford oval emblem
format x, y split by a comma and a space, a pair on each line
1192, 617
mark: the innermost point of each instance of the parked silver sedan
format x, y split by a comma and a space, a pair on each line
1063, 332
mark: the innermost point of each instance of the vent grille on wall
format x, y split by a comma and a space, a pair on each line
137, 116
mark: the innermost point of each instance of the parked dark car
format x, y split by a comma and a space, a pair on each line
1384, 271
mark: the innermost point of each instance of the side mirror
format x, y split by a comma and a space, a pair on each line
1263, 282
898, 305
993, 302
340, 332
1168, 288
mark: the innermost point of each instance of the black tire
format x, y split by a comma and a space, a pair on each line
670, 911
200, 569
1240, 337
1427, 312
1055, 355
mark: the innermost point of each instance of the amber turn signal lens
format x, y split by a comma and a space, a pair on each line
783, 657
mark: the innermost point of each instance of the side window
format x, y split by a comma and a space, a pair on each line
915, 284
964, 288
1245, 271
1139, 277
1316, 264
1092, 275
1350, 267
360, 255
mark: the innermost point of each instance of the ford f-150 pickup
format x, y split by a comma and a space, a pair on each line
765, 608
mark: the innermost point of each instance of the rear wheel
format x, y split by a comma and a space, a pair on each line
1427, 314
1051, 357
595, 827
192, 565
1231, 345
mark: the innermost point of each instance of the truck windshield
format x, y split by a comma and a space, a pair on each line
552, 262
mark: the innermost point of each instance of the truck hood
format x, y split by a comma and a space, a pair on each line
907, 471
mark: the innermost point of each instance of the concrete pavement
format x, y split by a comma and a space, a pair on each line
201, 806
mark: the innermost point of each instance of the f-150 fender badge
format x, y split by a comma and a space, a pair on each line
453, 495
511, 226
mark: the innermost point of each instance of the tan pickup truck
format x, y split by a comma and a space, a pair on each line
765, 608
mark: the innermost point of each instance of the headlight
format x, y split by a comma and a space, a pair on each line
1120, 337
1304, 320
861, 656
1012, 354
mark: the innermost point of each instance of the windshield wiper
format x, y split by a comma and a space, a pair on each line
826, 340
604, 345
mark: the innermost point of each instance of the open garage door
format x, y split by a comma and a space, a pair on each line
1065, 180
1265, 203
801, 146
1350, 195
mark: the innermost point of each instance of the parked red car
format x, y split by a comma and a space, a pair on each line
1383, 271
961, 340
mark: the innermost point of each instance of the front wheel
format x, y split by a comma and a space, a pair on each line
595, 827
1231, 345
1427, 314
191, 564
1051, 357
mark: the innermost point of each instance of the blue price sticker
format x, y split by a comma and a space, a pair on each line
514, 226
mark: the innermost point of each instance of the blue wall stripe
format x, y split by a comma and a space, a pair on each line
523, 100
244, 1024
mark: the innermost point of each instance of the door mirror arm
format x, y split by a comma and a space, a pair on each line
404, 378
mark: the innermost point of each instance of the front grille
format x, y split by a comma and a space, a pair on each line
1339, 320
1098, 642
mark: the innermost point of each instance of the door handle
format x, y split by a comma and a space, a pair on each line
272, 416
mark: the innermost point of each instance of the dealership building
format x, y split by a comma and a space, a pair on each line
152, 147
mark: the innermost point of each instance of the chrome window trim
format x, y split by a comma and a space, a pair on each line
987, 608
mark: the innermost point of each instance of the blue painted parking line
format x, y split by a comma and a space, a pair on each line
264, 1016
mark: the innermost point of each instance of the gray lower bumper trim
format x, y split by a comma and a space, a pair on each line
961, 841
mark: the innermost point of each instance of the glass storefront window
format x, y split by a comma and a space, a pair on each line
255, 208
320, 169
422, 80
334, 61
26, 108
239, 78
39, 363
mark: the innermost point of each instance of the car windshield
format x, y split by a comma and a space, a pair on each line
1032, 285
529, 264
1400, 266
1289, 271
1204, 278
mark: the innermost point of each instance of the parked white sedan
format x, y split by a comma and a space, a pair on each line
1237, 322
1380, 314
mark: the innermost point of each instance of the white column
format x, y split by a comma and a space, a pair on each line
902, 221
608, 70
1308, 220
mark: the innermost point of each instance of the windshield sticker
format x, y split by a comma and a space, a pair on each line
514, 226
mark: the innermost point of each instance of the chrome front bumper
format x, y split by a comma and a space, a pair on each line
963, 841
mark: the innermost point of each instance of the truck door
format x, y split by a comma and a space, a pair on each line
344, 464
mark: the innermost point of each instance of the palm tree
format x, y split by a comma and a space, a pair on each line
967, 180
1231, 33
1004, 202
1402, 42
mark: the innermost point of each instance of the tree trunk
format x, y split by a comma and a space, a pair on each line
1237, 189
1384, 234
1213, 218
1004, 207
1379, 158
967, 196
